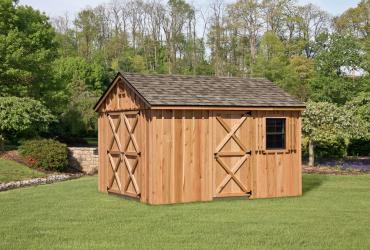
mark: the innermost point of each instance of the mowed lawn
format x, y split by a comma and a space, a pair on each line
13, 171
333, 213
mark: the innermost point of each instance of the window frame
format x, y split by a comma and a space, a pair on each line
285, 148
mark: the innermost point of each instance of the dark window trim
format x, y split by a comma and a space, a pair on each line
277, 149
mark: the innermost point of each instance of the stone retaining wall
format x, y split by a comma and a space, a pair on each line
85, 159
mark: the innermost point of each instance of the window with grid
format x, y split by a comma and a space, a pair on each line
275, 133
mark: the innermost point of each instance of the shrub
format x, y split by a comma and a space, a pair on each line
324, 149
359, 147
23, 116
47, 154
335, 148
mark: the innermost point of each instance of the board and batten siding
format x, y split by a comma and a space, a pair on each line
121, 100
181, 157
182, 164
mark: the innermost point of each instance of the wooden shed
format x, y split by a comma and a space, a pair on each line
170, 139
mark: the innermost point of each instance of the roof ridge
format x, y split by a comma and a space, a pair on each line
195, 76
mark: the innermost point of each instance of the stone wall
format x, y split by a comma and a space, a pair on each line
85, 159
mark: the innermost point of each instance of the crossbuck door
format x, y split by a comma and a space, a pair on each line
231, 143
123, 153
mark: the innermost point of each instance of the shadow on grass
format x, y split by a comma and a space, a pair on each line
310, 182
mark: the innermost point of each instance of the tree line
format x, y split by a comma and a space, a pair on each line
66, 62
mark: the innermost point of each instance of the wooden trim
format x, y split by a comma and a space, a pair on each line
232, 195
229, 154
278, 150
221, 108
126, 195
273, 151
125, 111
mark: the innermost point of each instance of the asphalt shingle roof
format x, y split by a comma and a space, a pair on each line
175, 90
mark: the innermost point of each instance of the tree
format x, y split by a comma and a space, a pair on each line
335, 89
298, 77
216, 38
176, 17
80, 85
248, 16
87, 32
340, 53
27, 47
312, 22
78, 118
361, 109
323, 121
271, 60
355, 21
22, 116
70, 69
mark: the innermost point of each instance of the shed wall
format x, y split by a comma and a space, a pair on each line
122, 100
182, 157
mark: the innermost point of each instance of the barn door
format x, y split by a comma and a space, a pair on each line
123, 153
231, 143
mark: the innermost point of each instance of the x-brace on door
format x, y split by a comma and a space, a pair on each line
232, 151
123, 153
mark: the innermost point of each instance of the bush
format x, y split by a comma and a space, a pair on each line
359, 147
45, 153
331, 149
23, 116
334, 148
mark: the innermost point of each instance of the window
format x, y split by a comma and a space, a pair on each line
275, 133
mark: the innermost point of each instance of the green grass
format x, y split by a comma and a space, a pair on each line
333, 213
13, 171
92, 141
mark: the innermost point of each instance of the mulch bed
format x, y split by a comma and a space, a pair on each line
332, 171
347, 166
13, 155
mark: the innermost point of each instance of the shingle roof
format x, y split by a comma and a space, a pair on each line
175, 90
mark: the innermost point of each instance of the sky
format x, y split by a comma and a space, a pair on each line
55, 8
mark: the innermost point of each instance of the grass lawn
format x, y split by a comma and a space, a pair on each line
92, 141
13, 171
333, 213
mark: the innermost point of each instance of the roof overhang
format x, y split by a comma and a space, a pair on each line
237, 108
120, 76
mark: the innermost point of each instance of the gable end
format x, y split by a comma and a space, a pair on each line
121, 95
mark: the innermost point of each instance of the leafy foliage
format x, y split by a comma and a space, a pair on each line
340, 53
325, 124
81, 85
323, 121
335, 148
78, 117
359, 147
27, 46
47, 154
23, 116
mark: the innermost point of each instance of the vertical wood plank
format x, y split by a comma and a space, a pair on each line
178, 152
